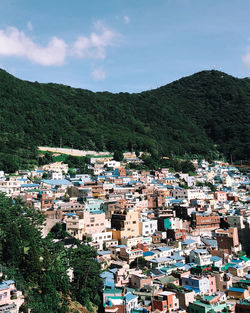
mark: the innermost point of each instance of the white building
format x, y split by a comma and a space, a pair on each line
189, 194
56, 175
101, 237
56, 167
200, 257
148, 227
112, 163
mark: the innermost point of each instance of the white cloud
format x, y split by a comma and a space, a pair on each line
126, 19
246, 57
95, 45
15, 43
98, 74
29, 26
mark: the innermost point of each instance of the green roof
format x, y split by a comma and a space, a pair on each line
208, 298
244, 258
227, 266
217, 307
166, 279
245, 281
114, 291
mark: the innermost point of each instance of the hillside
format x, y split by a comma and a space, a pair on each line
200, 114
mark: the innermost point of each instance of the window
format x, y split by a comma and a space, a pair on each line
92, 219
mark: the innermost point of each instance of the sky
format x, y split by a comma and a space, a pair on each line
123, 45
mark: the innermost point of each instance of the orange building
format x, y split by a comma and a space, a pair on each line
202, 220
165, 301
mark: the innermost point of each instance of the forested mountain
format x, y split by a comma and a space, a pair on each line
200, 114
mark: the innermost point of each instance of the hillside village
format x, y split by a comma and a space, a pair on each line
166, 242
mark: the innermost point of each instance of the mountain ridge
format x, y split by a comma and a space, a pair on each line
205, 114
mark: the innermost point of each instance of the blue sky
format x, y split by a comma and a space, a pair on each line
123, 45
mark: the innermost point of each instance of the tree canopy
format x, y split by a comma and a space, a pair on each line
204, 114
40, 267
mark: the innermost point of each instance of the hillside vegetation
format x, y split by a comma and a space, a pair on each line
202, 114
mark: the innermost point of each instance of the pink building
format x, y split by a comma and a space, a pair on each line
4, 293
85, 223
221, 196
94, 222
10, 298
212, 284
121, 277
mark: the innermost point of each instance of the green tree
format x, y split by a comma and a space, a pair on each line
86, 285
118, 155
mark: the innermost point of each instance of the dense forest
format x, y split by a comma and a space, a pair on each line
39, 266
205, 114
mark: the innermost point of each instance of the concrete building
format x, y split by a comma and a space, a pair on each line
200, 257
165, 301
148, 227
235, 221
205, 221
125, 224
228, 240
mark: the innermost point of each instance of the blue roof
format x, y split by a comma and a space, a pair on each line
9, 282
236, 261
166, 248
56, 182
29, 185
103, 252
210, 242
177, 257
3, 285
148, 253
129, 296
196, 290
162, 259
69, 214
179, 264
215, 258
176, 200
236, 289
198, 251
109, 282
106, 274
188, 242
97, 212
113, 270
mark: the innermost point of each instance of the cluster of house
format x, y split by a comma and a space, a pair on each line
166, 242
10, 298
